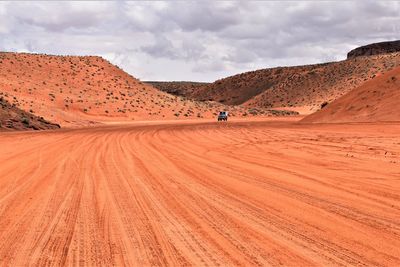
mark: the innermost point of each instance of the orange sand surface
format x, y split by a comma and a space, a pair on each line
375, 100
202, 193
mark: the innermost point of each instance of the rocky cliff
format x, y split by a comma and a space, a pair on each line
375, 49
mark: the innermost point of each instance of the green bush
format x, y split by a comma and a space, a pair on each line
25, 120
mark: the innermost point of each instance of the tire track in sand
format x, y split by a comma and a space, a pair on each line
201, 194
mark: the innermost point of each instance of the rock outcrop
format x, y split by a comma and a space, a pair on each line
375, 49
13, 118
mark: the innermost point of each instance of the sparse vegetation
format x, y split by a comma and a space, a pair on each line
91, 84
324, 104
25, 120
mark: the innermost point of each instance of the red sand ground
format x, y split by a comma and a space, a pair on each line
376, 100
198, 193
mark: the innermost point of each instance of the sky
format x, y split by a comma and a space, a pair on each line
198, 40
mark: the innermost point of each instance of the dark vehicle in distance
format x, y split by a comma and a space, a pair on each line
223, 116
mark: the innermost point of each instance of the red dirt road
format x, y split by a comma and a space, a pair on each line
241, 193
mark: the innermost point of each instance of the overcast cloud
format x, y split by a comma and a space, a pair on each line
200, 41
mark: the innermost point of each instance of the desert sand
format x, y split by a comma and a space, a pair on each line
296, 86
375, 100
76, 91
201, 193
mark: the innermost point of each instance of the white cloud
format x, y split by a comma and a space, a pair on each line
201, 40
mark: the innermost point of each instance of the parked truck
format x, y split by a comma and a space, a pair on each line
223, 116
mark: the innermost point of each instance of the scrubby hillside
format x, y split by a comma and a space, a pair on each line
375, 49
178, 88
12, 118
376, 100
297, 87
72, 90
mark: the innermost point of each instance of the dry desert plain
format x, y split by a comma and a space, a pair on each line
248, 192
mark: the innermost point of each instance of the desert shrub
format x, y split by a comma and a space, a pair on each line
253, 111
25, 120
324, 104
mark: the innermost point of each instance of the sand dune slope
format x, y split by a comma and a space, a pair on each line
376, 100
297, 87
265, 193
83, 90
